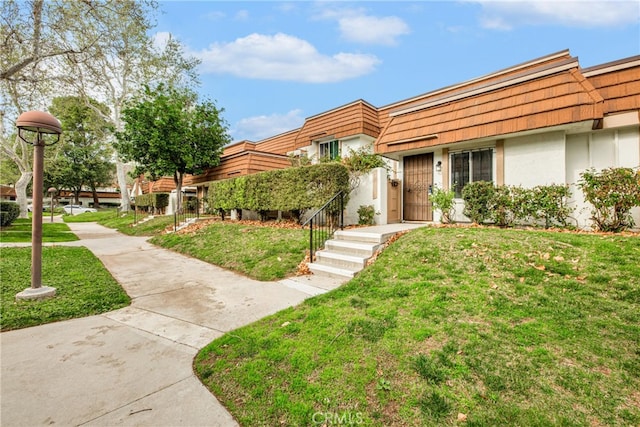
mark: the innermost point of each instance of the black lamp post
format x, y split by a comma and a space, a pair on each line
37, 123
52, 191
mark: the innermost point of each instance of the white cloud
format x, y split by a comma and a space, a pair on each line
160, 40
261, 127
506, 14
282, 57
358, 27
373, 30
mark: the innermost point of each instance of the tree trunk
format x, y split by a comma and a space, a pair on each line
177, 178
96, 199
122, 183
21, 192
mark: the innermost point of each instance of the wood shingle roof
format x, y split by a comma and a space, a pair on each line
549, 94
356, 118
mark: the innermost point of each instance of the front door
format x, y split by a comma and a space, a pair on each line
418, 179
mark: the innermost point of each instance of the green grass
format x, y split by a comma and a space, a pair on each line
125, 224
20, 231
262, 253
83, 286
91, 216
507, 327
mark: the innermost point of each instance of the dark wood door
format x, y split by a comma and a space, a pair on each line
418, 179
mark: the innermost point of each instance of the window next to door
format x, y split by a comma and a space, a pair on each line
329, 150
471, 166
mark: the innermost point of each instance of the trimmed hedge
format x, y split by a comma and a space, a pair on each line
153, 200
9, 211
293, 189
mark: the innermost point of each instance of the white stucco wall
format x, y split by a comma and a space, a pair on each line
372, 190
535, 160
599, 150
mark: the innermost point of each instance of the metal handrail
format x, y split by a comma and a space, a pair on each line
188, 212
325, 223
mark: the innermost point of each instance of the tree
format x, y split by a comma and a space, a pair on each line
95, 49
83, 157
125, 63
168, 132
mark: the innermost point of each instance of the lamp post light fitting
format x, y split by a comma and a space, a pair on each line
37, 124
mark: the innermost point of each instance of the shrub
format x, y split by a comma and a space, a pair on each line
9, 211
612, 192
444, 201
544, 203
501, 206
291, 189
549, 204
366, 214
157, 201
476, 197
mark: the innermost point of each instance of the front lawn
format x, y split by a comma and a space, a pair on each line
137, 225
125, 222
83, 286
260, 252
20, 231
90, 216
450, 326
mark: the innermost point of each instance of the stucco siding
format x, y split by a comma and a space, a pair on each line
629, 147
535, 160
599, 150
372, 190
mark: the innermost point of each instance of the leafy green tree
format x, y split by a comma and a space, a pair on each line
168, 132
83, 157
95, 49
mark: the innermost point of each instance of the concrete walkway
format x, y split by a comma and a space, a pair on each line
133, 366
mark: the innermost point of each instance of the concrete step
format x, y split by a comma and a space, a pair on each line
340, 260
351, 247
362, 236
331, 271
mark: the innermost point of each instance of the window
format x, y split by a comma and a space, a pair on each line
471, 166
330, 150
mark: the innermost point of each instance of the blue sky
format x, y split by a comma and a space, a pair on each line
271, 64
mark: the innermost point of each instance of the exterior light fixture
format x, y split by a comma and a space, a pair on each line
36, 124
439, 166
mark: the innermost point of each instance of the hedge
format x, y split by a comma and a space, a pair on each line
505, 205
9, 211
154, 200
292, 189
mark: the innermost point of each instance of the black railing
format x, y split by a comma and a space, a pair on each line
190, 210
325, 222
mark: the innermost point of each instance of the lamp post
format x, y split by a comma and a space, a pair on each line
52, 191
37, 123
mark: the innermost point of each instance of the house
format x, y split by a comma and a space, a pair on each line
7, 193
537, 123
106, 197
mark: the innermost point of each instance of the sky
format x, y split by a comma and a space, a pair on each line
272, 64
